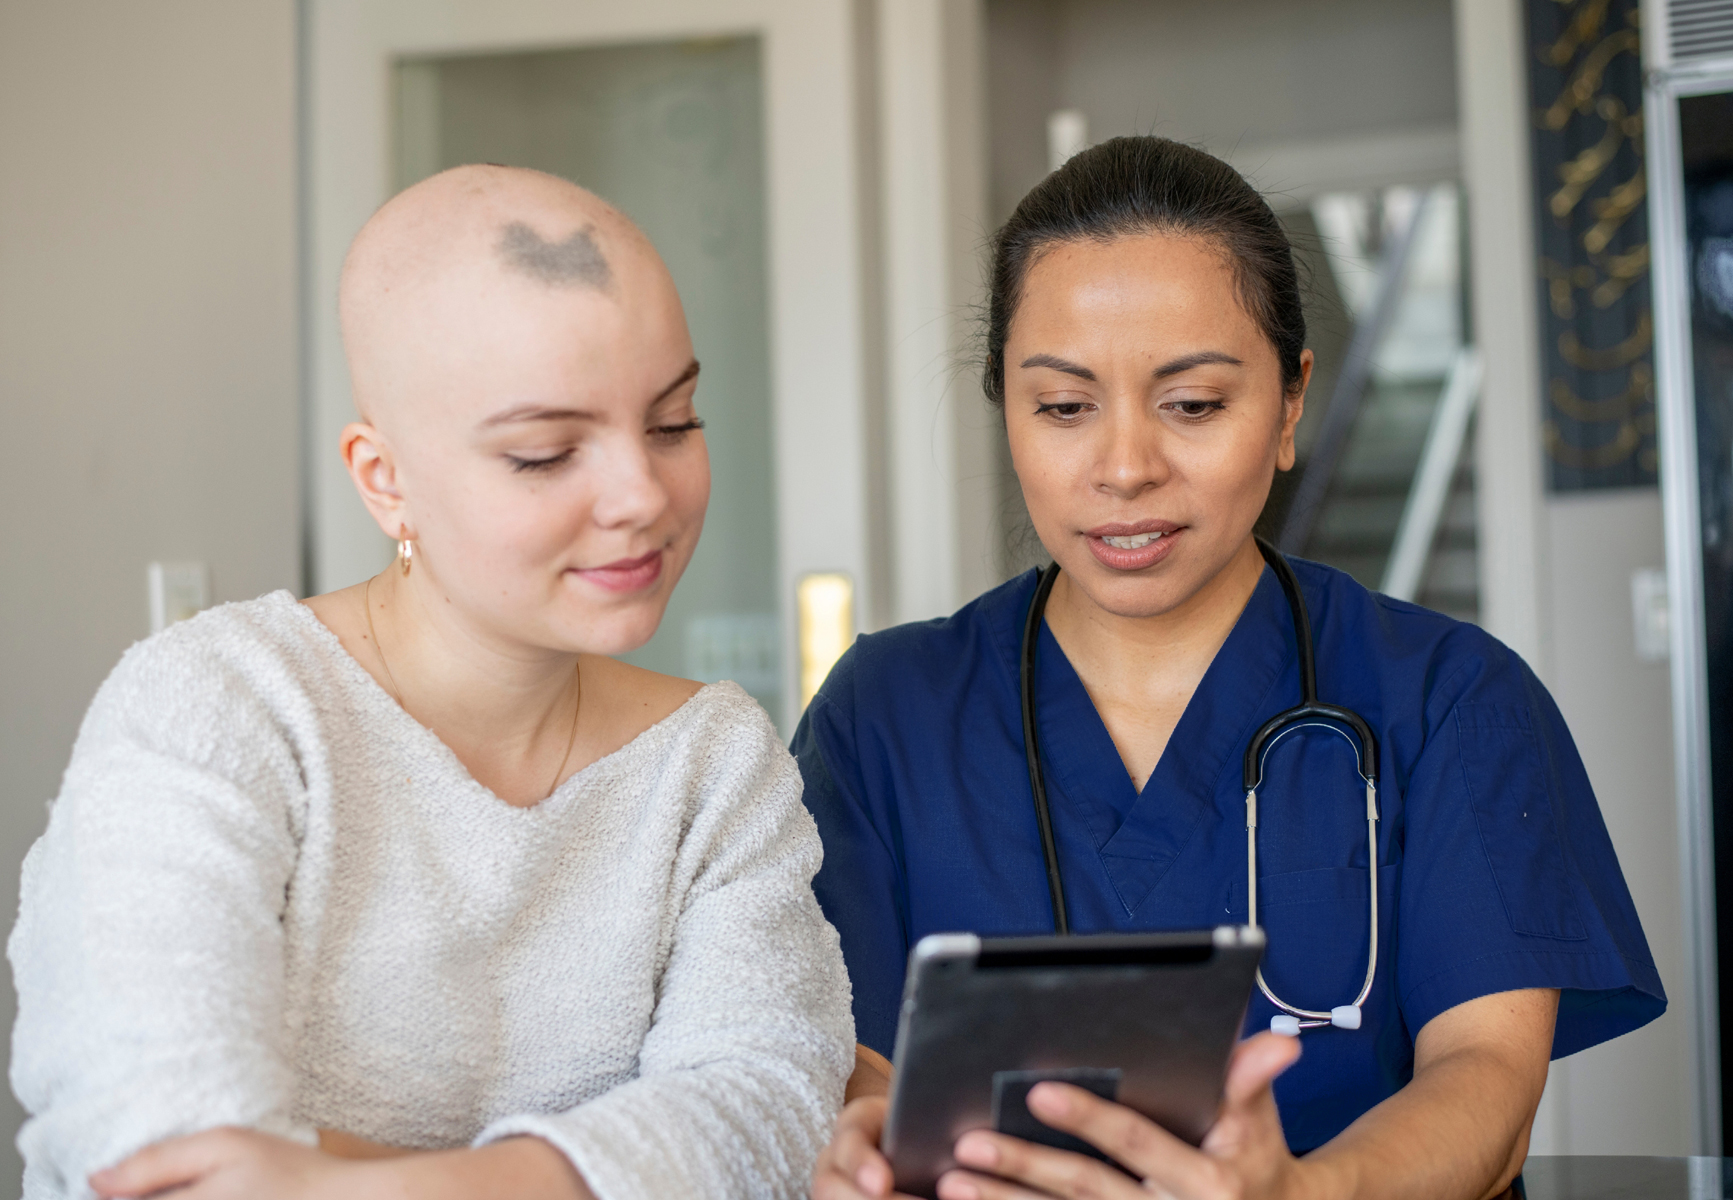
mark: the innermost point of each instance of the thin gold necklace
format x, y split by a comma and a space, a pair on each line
397, 692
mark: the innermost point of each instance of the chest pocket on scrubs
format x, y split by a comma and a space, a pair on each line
1312, 876
1504, 769
1316, 922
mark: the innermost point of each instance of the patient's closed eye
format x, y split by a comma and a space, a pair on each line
675, 433
549, 463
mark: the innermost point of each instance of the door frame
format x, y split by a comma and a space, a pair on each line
813, 193
1676, 420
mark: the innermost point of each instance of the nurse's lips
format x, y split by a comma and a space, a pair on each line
1142, 544
625, 574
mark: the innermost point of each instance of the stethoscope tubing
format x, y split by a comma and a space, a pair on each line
1032, 749
1313, 1018
1309, 713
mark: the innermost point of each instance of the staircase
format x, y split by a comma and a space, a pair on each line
1356, 528
1355, 524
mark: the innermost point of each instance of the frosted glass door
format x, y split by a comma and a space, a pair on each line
672, 134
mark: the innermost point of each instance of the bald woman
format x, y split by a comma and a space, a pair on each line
411, 889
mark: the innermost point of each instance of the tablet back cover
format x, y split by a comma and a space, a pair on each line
1149, 1018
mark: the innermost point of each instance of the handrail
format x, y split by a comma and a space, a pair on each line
1431, 486
1350, 389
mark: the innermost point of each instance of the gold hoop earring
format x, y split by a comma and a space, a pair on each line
406, 553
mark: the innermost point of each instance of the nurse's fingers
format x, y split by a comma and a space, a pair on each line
965, 1185
1020, 1170
1256, 1063
1130, 1138
1249, 1130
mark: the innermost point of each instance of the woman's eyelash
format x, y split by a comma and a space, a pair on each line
519, 465
674, 433
1208, 406
667, 433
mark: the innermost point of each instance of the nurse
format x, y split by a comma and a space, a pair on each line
1146, 344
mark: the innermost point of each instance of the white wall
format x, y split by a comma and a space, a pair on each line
148, 396
1631, 1095
1243, 78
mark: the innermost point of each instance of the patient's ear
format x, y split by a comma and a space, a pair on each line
375, 474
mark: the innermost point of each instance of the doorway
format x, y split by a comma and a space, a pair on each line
670, 133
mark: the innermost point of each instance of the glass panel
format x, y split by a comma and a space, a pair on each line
1340, 241
672, 134
1706, 139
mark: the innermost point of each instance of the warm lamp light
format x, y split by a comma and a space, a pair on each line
825, 607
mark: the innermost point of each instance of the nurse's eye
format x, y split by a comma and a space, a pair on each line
1062, 410
1195, 410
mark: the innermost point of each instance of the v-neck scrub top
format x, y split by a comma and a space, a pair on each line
1495, 871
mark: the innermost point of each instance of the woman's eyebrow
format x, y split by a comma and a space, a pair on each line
1183, 363
1059, 364
1201, 358
685, 377
537, 412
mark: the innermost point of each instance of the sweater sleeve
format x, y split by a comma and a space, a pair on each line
741, 1075
148, 952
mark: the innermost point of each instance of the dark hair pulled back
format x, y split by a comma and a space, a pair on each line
1139, 185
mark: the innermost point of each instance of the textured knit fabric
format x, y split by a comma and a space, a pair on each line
267, 897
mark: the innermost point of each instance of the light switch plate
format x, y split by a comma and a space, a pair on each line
177, 591
1649, 615
744, 647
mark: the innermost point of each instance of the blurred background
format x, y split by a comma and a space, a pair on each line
1519, 414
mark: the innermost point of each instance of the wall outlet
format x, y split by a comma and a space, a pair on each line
1649, 615
177, 591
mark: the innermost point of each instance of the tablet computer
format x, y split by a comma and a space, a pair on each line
1148, 1020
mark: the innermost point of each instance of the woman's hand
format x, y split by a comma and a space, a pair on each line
239, 1164
1244, 1156
852, 1167
225, 1163
346, 1145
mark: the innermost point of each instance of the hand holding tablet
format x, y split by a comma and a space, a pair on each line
1147, 1020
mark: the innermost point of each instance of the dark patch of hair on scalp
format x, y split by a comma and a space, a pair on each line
577, 261
1140, 185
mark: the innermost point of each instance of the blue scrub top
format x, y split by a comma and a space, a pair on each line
1495, 871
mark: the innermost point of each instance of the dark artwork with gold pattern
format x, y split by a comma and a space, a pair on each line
1592, 243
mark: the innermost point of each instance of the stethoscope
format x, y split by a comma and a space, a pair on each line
1291, 1019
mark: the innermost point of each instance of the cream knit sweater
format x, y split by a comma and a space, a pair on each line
268, 897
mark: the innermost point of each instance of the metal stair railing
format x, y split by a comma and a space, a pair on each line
1350, 389
1431, 486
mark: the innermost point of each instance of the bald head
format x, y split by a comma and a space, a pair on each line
426, 273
